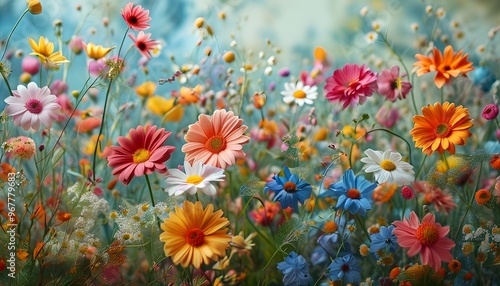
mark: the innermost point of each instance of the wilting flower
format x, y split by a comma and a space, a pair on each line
31, 106
137, 18
143, 43
345, 269
289, 189
384, 239
140, 154
196, 177
44, 50
353, 193
21, 147
388, 167
440, 127
96, 52
193, 235
350, 85
216, 140
298, 93
450, 65
295, 270
391, 85
427, 238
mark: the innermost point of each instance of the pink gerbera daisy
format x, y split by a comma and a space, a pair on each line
216, 140
350, 85
143, 43
140, 154
32, 105
427, 238
391, 85
137, 18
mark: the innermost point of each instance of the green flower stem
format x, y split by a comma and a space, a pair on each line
7, 83
363, 226
12, 31
97, 145
152, 199
379, 129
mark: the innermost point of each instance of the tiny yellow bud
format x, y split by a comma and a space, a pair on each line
75, 93
34, 6
210, 31
198, 22
222, 15
228, 57
25, 77
208, 51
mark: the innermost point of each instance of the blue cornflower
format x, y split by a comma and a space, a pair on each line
385, 238
345, 268
353, 193
289, 190
296, 270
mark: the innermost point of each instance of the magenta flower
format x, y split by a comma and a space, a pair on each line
140, 154
350, 85
391, 85
31, 106
143, 43
137, 18
490, 111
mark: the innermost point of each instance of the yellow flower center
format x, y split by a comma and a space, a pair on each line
194, 179
442, 130
216, 144
299, 94
353, 194
428, 233
195, 237
290, 187
140, 156
388, 165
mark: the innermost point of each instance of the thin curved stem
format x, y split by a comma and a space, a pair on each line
12, 32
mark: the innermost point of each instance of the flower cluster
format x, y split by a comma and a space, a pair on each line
141, 150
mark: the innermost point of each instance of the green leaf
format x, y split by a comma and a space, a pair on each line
252, 187
290, 231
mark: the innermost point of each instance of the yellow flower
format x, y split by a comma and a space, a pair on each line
193, 235
34, 6
96, 52
45, 52
165, 108
146, 89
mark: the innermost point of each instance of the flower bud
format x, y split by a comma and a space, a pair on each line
228, 57
34, 6
490, 112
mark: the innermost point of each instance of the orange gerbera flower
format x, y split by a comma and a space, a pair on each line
449, 65
441, 127
194, 235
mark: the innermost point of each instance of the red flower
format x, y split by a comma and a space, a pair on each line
350, 85
143, 43
142, 154
137, 18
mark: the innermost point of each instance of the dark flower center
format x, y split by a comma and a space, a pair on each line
132, 20
290, 187
141, 46
195, 237
34, 106
345, 268
216, 144
353, 194
442, 130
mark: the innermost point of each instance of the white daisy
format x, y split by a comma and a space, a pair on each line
388, 167
196, 177
298, 93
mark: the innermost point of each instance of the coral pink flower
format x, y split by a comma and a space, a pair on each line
32, 105
427, 238
137, 18
142, 154
216, 140
143, 43
350, 85
391, 85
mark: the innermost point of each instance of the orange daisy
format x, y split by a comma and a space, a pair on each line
449, 65
193, 235
216, 140
441, 127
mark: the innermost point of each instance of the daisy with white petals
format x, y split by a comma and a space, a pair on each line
388, 167
298, 93
194, 178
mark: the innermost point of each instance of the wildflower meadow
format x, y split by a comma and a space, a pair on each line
249, 142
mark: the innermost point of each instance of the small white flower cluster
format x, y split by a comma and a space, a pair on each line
488, 236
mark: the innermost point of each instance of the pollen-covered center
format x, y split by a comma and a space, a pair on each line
428, 233
216, 144
34, 106
442, 130
194, 179
140, 156
353, 194
299, 94
195, 237
290, 187
388, 165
